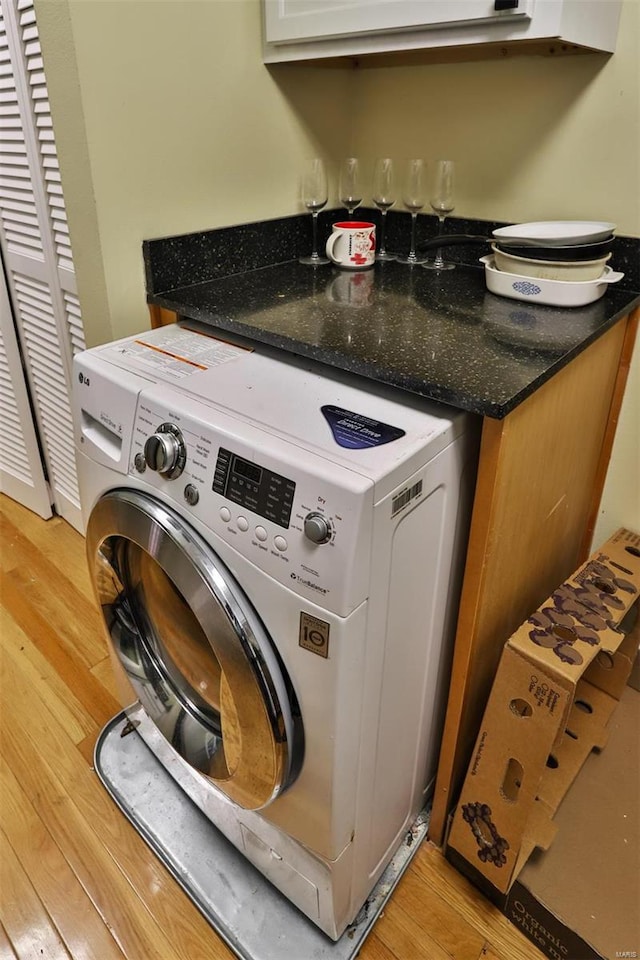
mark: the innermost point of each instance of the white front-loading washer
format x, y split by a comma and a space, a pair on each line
277, 555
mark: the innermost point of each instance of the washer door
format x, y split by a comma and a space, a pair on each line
195, 652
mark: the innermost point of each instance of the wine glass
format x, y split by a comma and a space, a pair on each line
442, 203
314, 197
414, 197
384, 198
349, 186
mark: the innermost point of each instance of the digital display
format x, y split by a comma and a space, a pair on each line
245, 469
253, 487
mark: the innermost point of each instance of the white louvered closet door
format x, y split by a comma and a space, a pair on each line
21, 473
35, 247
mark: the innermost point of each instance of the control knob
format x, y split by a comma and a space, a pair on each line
165, 451
317, 528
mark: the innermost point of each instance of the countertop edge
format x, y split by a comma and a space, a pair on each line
338, 360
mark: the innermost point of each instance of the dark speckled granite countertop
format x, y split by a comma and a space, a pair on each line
443, 336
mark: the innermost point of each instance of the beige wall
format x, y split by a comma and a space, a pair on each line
168, 122
183, 129
534, 138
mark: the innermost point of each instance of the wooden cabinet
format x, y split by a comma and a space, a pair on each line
540, 478
319, 29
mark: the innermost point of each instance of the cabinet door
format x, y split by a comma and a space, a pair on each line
289, 20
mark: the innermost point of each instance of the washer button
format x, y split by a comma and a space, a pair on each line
140, 463
191, 494
225, 514
280, 543
243, 524
261, 534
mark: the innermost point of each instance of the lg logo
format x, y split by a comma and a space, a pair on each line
83, 379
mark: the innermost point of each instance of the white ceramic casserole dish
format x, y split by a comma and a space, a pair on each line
555, 293
571, 270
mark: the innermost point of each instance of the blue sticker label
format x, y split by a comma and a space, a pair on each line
355, 431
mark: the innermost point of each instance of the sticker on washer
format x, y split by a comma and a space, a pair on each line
355, 431
178, 353
314, 635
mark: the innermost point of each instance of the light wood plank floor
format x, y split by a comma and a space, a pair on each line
76, 881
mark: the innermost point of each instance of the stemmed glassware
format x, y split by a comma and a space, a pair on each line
314, 197
414, 197
442, 203
384, 198
349, 185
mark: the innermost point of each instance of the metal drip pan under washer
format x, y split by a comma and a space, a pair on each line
253, 918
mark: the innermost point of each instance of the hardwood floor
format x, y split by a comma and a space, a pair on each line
76, 881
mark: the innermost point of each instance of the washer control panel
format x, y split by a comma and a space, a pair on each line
251, 485
300, 518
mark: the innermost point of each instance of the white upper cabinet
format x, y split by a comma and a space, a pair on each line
317, 29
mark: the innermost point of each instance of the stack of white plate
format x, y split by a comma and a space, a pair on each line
558, 262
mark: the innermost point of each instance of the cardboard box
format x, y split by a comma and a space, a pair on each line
559, 681
579, 899
589, 879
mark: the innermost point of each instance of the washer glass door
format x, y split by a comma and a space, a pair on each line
194, 650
